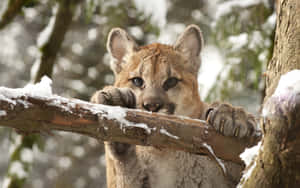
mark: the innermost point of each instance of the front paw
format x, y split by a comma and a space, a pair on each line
231, 121
115, 96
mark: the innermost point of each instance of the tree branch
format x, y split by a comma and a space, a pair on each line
12, 10
50, 46
35, 114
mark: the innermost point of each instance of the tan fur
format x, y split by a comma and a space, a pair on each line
145, 167
155, 63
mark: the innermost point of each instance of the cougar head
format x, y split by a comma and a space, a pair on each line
163, 77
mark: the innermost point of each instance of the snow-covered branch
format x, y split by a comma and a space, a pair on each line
35, 109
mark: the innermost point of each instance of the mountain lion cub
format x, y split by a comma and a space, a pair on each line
163, 78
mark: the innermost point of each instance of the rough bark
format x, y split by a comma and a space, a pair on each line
286, 54
34, 114
278, 162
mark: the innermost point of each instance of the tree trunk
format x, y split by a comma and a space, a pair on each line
278, 161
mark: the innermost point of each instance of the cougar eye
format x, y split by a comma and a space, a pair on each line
170, 83
137, 81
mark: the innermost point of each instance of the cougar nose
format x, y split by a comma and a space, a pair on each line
153, 105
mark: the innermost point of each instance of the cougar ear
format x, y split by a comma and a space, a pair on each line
190, 43
119, 44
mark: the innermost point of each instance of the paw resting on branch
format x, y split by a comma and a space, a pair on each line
30, 112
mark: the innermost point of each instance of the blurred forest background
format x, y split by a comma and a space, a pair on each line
238, 43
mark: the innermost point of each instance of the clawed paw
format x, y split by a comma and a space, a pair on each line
231, 121
115, 96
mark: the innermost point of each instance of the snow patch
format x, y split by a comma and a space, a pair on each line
119, 114
143, 126
17, 169
24, 103
2, 113
77, 48
265, 112
77, 85
41, 89
78, 151
165, 132
238, 41
270, 23
157, 9
256, 40
212, 65
169, 34
57, 102
64, 162
4, 97
250, 153
249, 156
6, 181
30, 14
27, 155
249, 171
92, 33
288, 87
226, 7
92, 72
136, 32
246, 175
217, 159
288, 83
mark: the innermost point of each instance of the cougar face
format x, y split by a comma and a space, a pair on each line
163, 77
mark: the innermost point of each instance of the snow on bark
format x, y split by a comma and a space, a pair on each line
289, 83
250, 153
108, 123
249, 157
119, 114
165, 132
288, 88
2, 113
41, 89
216, 158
